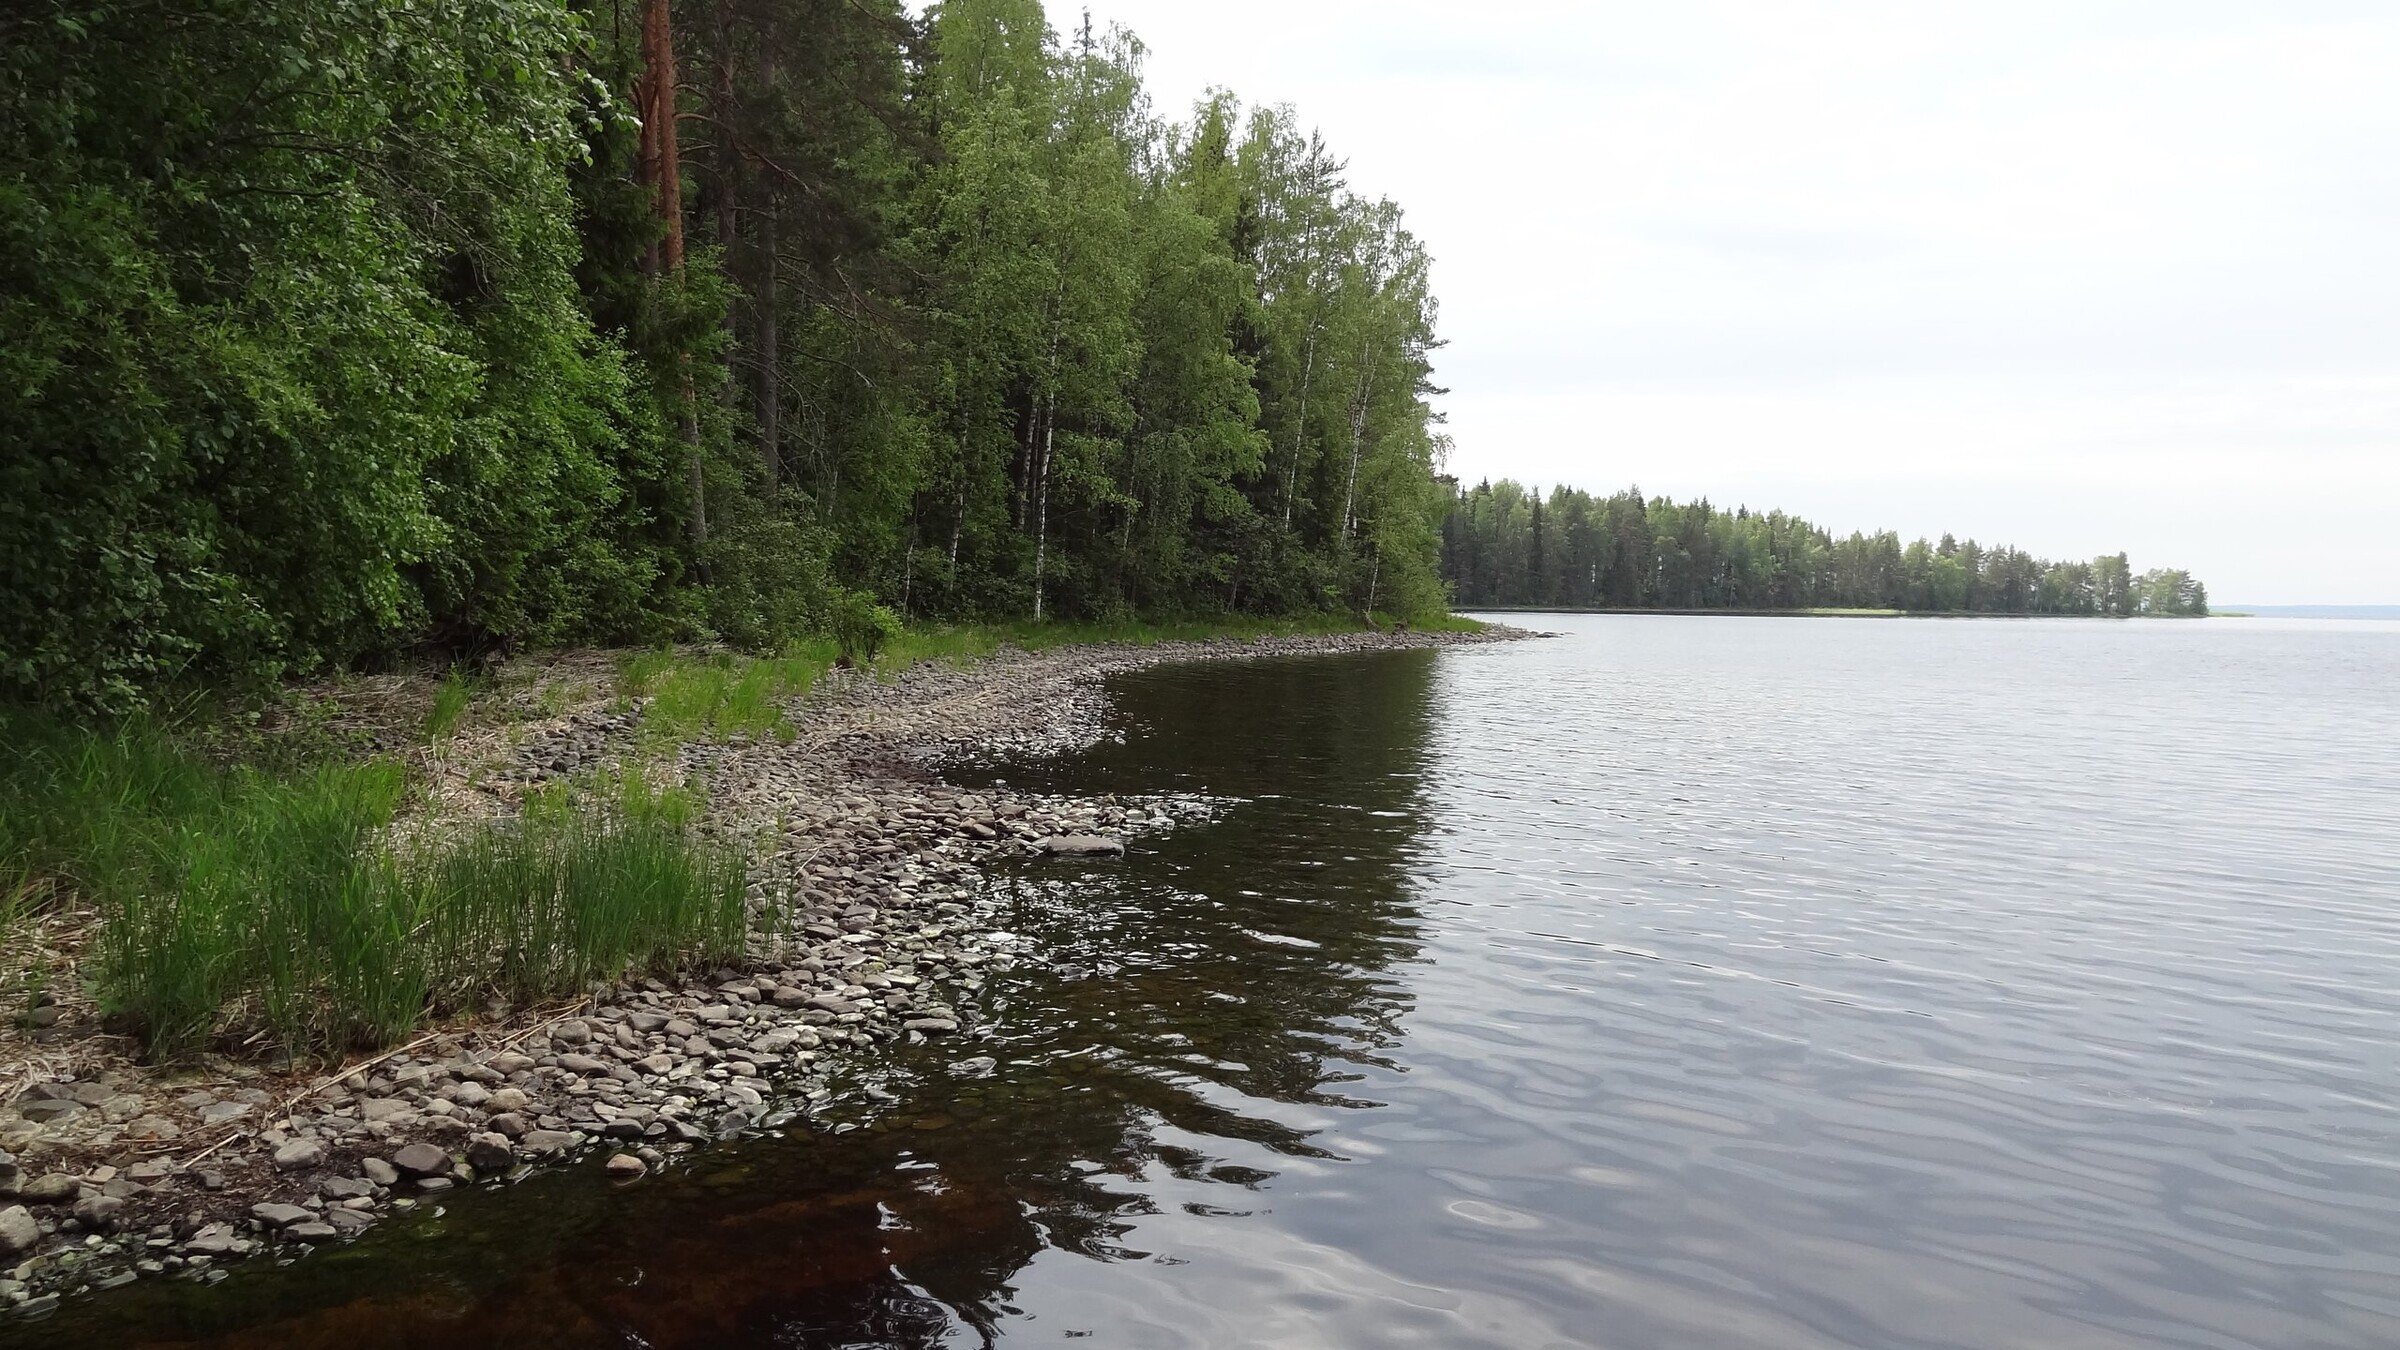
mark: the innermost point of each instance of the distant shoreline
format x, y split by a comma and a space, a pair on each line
1823, 613
2311, 611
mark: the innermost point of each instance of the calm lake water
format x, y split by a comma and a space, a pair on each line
1680, 982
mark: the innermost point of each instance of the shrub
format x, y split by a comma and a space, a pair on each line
861, 628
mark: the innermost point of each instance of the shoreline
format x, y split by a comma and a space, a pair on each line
866, 924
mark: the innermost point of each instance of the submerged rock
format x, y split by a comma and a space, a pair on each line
1082, 846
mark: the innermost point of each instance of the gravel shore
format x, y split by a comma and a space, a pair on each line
867, 924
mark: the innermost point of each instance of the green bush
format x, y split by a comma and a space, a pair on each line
861, 628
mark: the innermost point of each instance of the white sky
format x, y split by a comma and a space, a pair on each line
2074, 275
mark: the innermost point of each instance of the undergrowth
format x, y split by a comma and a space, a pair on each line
278, 909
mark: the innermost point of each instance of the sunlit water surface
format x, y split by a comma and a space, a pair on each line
1678, 982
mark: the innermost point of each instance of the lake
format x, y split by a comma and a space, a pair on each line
1675, 982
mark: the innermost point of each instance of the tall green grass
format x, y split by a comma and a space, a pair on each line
715, 695
277, 908
450, 702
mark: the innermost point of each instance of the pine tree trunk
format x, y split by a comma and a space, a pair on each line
662, 159
770, 359
662, 169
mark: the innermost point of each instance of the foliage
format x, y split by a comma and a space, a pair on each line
861, 628
1504, 545
330, 332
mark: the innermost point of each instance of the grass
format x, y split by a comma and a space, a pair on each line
449, 705
719, 694
243, 905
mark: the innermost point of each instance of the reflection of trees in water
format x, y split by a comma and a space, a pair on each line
894, 1235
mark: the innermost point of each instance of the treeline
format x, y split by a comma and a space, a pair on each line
339, 329
1504, 545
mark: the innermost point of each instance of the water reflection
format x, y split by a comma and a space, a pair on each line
1229, 984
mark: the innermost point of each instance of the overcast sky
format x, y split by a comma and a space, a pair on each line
2074, 276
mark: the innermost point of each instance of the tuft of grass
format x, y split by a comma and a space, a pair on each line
716, 695
449, 705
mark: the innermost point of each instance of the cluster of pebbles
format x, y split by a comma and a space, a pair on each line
868, 919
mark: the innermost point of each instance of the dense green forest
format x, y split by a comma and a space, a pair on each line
1504, 545
343, 330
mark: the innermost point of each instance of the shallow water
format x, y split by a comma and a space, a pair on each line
1681, 982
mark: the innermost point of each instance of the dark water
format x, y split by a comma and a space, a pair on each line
1682, 982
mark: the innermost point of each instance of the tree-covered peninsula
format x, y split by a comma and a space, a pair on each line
356, 327
1505, 545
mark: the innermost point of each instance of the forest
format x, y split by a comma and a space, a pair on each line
337, 332
1503, 544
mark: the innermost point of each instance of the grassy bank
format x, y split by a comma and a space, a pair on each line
276, 908
279, 894
697, 695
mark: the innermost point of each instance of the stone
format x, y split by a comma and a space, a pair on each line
932, 1026
18, 1231
490, 1154
1082, 846
50, 1110
508, 1099
511, 1124
546, 1143
469, 1094
315, 1230
582, 1064
99, 1212
347, 1221
214, 1240
299, 1155
156, 1129
279, 1215
572, 1032
346, 1188
219, 1113
421, 1160
54, 1188
382, 1108
378, 1171
625, 1167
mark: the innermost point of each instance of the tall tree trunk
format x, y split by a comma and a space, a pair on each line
770, 357
1041, 494
662, 169
1291, 477
1358, 436
767, 324
662, 159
